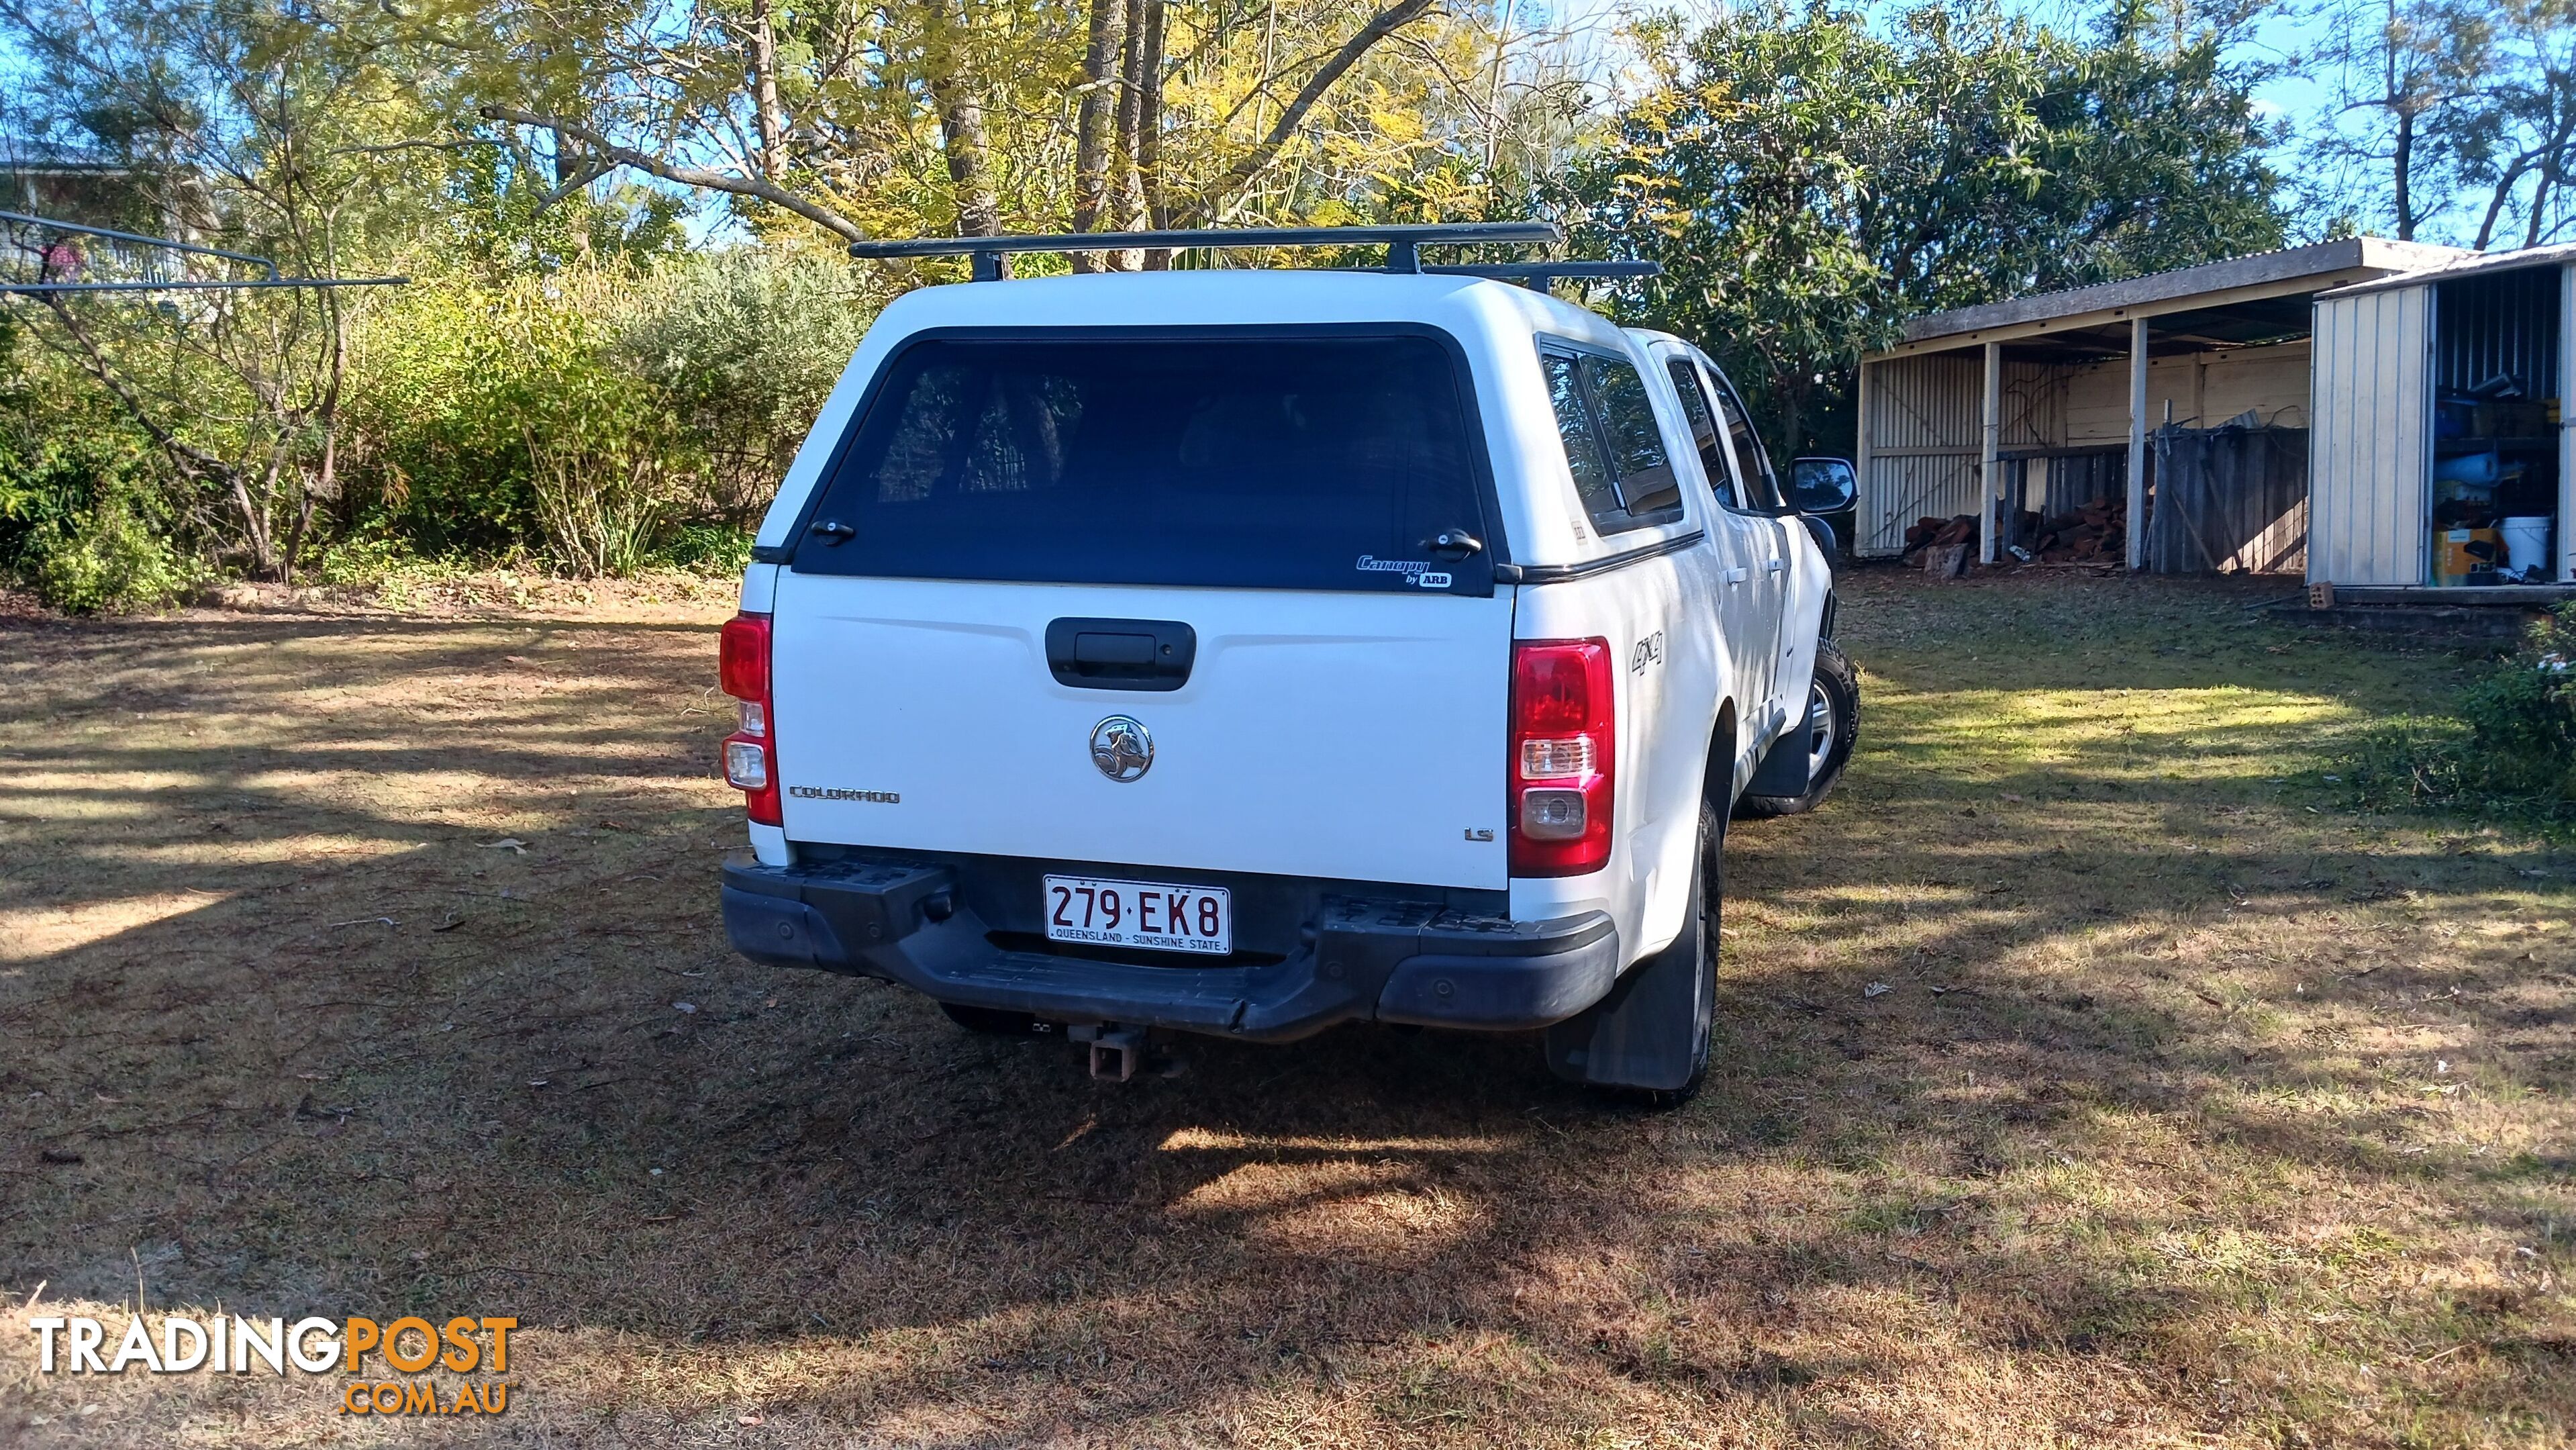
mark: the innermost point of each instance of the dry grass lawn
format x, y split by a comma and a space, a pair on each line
2197, 1110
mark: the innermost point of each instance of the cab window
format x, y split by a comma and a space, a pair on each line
1584, 457
1703, 425
1759, 482
1646, 478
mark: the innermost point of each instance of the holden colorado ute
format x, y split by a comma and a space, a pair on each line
1244, 652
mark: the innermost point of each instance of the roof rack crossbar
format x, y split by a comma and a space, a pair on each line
1403, 242
1538, 275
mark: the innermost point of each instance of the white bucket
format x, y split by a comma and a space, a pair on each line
2526, 543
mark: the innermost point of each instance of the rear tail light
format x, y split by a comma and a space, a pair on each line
751, 752
1563, 732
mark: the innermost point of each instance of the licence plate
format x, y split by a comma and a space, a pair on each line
1085, 909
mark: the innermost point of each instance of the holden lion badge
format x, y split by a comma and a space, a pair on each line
1122, 748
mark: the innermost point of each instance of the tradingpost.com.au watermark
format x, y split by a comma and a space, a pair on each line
237, 1344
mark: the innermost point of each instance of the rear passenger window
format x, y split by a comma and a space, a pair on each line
1612, 445
1758, 480
1703, 426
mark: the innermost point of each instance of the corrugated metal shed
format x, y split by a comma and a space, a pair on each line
2295, 271
2398, 370
2373, 398
1918, 447
2082, 377
2401, 343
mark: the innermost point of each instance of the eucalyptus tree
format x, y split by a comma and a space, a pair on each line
2454, 120
964, 115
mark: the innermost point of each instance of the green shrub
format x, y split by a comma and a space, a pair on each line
707, 549
745, 346
590, 416
591, 420
82, 521
112, 561
2510, 751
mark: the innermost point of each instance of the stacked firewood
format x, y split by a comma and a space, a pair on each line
2097, 533
1931, 533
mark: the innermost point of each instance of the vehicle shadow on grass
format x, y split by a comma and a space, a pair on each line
936, 1220
2074, 1181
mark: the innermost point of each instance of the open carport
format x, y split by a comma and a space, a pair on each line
2041, 405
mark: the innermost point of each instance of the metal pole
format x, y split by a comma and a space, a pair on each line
1990, 443
164, 242
2566, 439
1864, 525
2137, 443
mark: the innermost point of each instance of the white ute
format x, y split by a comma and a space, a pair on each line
1245, 652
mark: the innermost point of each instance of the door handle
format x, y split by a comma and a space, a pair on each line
1455, 546
1775, 566
1121, 654
1735, 576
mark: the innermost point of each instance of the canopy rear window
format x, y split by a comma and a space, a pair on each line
1279, 459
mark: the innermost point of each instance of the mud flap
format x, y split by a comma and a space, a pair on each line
1783, 771
1645, 1032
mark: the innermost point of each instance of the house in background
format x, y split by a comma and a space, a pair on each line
2361, 412
64, 182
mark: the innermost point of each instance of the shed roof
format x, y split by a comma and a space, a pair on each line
2464, 264
2289, 272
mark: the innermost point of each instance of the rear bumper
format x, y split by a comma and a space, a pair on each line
1356, 958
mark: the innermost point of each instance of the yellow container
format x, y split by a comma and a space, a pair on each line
2453, 558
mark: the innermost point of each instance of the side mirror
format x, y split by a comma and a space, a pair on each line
1822, 485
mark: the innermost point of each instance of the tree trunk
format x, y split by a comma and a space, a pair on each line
1128, 197
1149, 133
956, 92
2551, 170
2405, 162
1091, 127
764, 92
970, 167
1240, 175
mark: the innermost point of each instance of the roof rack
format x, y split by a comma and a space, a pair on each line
1403, 243
1537, 275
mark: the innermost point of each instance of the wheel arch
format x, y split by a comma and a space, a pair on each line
1718, 776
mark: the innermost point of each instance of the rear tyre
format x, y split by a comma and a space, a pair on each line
991, 1020
1829, 729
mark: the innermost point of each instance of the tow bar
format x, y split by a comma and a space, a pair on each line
1120, 1052
1116, 1052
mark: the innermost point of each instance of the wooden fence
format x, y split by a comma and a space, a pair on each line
2229, 500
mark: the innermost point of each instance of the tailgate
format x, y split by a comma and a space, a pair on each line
1293, 513
1346, 735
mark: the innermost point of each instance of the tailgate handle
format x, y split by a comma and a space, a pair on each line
1121, 654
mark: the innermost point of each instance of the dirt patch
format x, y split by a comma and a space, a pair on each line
2195, 1110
